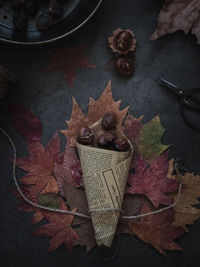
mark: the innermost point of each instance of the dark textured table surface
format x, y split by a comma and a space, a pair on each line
175, 57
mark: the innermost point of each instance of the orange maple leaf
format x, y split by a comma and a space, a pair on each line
40, 179
96, 110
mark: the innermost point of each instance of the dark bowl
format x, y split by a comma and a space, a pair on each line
77, 13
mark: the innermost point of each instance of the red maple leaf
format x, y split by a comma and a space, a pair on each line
157, 230
151, 181
132, 128
68, 60
59, 228
68, 171
26, 122
24, 206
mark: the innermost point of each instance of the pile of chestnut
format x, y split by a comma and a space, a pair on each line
106, 139
22, 9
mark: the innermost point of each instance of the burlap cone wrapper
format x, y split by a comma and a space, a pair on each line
105, 175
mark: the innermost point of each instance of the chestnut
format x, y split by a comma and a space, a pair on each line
125, 66
44, 20
121, 145
123, 40
106, 140
85, 136
109, 120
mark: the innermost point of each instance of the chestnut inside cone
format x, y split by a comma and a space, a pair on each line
106, 140
109, 120
85, 136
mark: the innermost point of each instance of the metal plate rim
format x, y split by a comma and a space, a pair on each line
57, 38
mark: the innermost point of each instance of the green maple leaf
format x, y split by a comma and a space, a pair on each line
149, 143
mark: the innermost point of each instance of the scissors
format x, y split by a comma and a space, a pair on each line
188, 101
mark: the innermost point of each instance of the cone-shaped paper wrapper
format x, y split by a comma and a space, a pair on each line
105, 175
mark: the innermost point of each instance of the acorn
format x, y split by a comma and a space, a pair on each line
122, 41
85, 136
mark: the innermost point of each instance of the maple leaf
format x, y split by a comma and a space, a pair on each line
132, 128
68, 60
40, 179
26, 122
145, 137
184, 212
105, 103
157, 230
178, 15
24, 206
59, 228
149, 145
40, 166
69, 170
151, 181
96, 110
131, 206
77, 198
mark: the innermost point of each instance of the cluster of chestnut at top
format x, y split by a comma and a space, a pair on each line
106, 139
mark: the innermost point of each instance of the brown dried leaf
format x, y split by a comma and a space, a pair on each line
96, 110
131, 206
184, 211
105, 103
76, 198
178, 15
76, 121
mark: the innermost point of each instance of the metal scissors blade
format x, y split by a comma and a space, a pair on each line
173, 88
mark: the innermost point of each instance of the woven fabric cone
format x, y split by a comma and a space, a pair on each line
105, 175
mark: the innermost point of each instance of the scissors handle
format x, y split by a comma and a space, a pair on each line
194, 106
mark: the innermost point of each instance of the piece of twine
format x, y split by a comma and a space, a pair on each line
78, 213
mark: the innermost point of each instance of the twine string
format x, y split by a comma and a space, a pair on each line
78, 213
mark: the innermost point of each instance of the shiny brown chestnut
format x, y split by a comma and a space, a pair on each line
106, 140
109, 120
123, 40
85, 136
124, 66
121, 145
